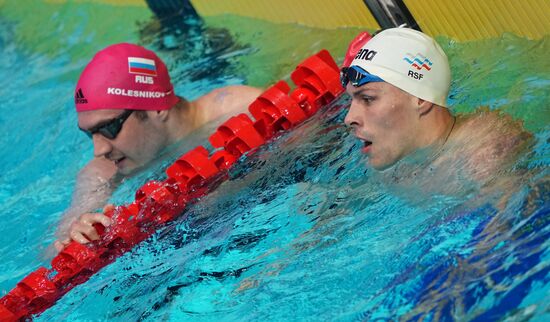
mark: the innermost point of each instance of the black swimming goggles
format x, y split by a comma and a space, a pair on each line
357, 76
111, 128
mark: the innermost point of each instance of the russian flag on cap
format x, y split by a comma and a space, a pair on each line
142, 66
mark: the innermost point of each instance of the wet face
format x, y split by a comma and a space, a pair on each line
137, 143
385, 119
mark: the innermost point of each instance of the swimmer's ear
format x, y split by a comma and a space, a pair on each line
159, 115
424, 107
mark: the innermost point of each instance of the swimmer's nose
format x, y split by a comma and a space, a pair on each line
102, 146
353, 118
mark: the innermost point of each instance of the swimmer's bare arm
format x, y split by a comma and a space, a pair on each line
94, 186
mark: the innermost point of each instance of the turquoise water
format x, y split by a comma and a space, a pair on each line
303, 230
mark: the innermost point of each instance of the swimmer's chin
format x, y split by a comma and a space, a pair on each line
392, 162
378, 165
125, 169
381, 167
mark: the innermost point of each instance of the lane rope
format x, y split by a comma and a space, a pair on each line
277, 109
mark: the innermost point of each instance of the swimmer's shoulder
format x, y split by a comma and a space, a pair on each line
229, 100
491, 141
491, 127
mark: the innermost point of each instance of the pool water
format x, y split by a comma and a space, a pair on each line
303, 230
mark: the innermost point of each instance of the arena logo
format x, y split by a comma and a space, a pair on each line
366, 54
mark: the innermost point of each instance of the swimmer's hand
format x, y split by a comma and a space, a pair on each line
83, 231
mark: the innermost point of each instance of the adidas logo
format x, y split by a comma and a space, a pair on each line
79, 97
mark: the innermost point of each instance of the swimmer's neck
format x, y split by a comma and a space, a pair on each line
435, 142
436, 129
183, 119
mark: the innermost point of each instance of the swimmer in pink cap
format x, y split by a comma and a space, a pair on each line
399, 82
126, 104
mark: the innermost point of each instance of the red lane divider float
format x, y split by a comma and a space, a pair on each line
157, 202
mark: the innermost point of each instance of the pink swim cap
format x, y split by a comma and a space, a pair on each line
125, 76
